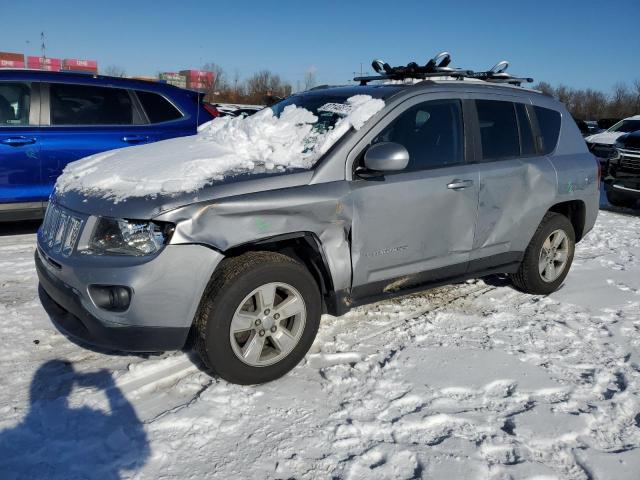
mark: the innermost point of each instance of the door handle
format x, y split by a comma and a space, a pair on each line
18, 141
135, 138
458, 184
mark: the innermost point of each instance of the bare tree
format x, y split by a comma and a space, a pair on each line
593, 104
114, 71
265, 84
218, 84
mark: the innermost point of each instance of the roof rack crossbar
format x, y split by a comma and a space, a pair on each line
438, 66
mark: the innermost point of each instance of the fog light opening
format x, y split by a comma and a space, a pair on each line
113, 298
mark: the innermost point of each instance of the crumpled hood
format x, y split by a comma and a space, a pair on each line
604, 138
148, 207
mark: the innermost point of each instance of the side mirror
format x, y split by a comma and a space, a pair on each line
386, 157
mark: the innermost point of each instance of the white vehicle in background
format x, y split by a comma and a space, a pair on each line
602, 144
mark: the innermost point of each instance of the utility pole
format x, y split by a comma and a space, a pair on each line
43, 46
362, 72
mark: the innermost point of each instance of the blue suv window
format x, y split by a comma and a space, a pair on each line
15, 100
158, 108
89, 105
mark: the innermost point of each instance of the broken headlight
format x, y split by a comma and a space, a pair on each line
128, 237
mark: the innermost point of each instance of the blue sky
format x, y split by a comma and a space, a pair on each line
579, 43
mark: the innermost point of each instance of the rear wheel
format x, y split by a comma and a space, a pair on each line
258, 318
548, 257
618, 199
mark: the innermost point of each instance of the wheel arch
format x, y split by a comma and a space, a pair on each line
575, 211
304, 247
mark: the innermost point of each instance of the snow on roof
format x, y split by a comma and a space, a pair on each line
222, 147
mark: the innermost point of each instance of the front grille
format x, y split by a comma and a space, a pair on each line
629, 161
60, 230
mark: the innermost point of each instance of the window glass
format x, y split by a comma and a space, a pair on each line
89, 105
15, 100
158, 108
498, 129
432, 133
549, 124
626, 126
527, 145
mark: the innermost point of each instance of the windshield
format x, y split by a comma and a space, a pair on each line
626, 126
328, 108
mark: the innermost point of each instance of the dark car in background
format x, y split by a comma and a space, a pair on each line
622, 176
49, 119
602, 144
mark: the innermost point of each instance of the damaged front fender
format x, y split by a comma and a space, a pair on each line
325, 210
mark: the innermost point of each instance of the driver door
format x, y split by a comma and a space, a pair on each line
416, 225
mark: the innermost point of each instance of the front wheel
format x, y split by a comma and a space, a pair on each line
548, 257
258, 318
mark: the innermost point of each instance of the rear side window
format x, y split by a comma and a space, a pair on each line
498, 129
89, 105
158, 108
527, 144
15, 100
549, 124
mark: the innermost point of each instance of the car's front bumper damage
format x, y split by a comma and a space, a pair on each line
165, 294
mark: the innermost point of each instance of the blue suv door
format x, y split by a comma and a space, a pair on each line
20, 169
81, 120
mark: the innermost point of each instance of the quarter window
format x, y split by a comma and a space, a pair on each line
89, 105
432, 133
15, 100
498, 129
549, 124
158, 108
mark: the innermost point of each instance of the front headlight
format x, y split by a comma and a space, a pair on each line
128, 237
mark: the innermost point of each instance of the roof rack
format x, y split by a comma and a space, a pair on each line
438, 66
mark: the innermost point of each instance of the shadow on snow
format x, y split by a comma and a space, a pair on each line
59, 440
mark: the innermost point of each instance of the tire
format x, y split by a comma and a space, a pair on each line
619, 199
229, 302
529, 278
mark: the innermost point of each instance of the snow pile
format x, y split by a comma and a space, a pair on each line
224, 146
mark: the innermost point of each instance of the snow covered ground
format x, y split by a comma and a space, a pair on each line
474, 380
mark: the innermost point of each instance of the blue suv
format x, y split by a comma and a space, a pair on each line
50, 119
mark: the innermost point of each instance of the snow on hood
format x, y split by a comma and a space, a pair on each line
224, 146
604, 138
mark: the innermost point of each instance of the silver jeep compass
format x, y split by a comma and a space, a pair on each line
458, 175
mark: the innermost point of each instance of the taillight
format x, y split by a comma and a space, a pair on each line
213, 111
599, 170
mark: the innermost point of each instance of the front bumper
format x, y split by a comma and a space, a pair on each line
66, 312
623, 183
166, 292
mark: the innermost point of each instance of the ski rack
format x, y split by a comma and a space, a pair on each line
438, 66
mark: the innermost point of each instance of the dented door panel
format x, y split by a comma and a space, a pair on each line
514, 196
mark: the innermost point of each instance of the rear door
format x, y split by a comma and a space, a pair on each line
416, 225
21, 190
516, 180
80, 120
